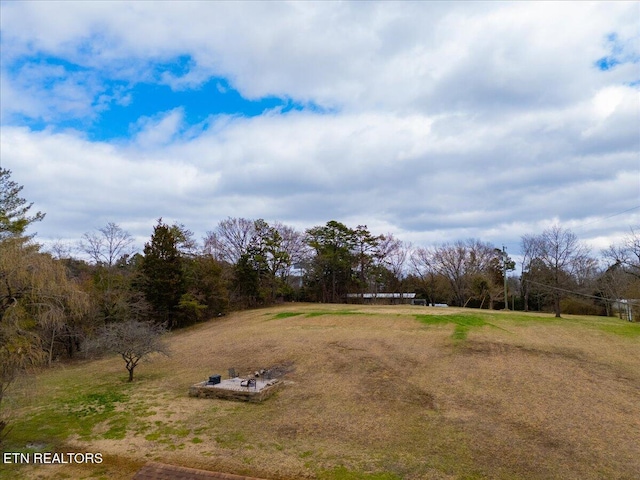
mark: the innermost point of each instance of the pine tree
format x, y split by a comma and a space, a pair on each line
163, 276
13, 208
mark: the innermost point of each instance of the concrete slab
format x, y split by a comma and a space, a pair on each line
231, 389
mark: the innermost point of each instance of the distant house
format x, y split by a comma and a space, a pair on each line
381, 298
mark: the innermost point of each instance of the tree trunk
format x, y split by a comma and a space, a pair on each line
53, 338
556, 305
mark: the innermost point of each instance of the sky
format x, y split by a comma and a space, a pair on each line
432, 121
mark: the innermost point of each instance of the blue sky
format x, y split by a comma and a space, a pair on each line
432, 121
119, 104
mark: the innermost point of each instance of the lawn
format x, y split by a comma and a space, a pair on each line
373, 392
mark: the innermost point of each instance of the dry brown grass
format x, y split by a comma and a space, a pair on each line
379, 391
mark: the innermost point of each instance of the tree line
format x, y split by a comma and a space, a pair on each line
53, 302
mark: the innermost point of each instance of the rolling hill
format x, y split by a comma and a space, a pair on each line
373, 392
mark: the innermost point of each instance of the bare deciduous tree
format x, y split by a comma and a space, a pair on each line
621, 280
460, 263
230, 240
530, 247
293, 245
132, 340
627, 254
423, 265
107, 245
561, 258
392, 254
60, 249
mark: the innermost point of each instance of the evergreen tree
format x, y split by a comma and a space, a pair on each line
247, 274
207, 294
331, 272
162, 275
13, 208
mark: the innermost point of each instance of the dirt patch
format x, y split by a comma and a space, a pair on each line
280, 370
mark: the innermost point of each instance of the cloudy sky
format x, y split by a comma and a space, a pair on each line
434, 121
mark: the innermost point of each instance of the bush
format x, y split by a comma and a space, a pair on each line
575, 306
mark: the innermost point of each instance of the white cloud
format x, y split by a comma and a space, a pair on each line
382, 169
451, 120
158, 131
358, 55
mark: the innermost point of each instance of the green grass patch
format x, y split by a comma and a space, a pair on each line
630, 330
516, 317
166, 432
466, 321
95, 403
77, 414
286, 315
317, 313
434, 319
117, 428
463, 323
332, 312
231, 440
460, 332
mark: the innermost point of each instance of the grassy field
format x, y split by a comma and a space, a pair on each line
378, 393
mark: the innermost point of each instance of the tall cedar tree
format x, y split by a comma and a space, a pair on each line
163, 276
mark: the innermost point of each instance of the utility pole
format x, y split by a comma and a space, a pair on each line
504, 275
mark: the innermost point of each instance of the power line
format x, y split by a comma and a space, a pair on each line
633, 302
609, 216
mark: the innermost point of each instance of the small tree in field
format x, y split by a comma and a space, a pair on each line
132, 340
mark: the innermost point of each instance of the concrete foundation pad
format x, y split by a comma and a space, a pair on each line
231, 389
